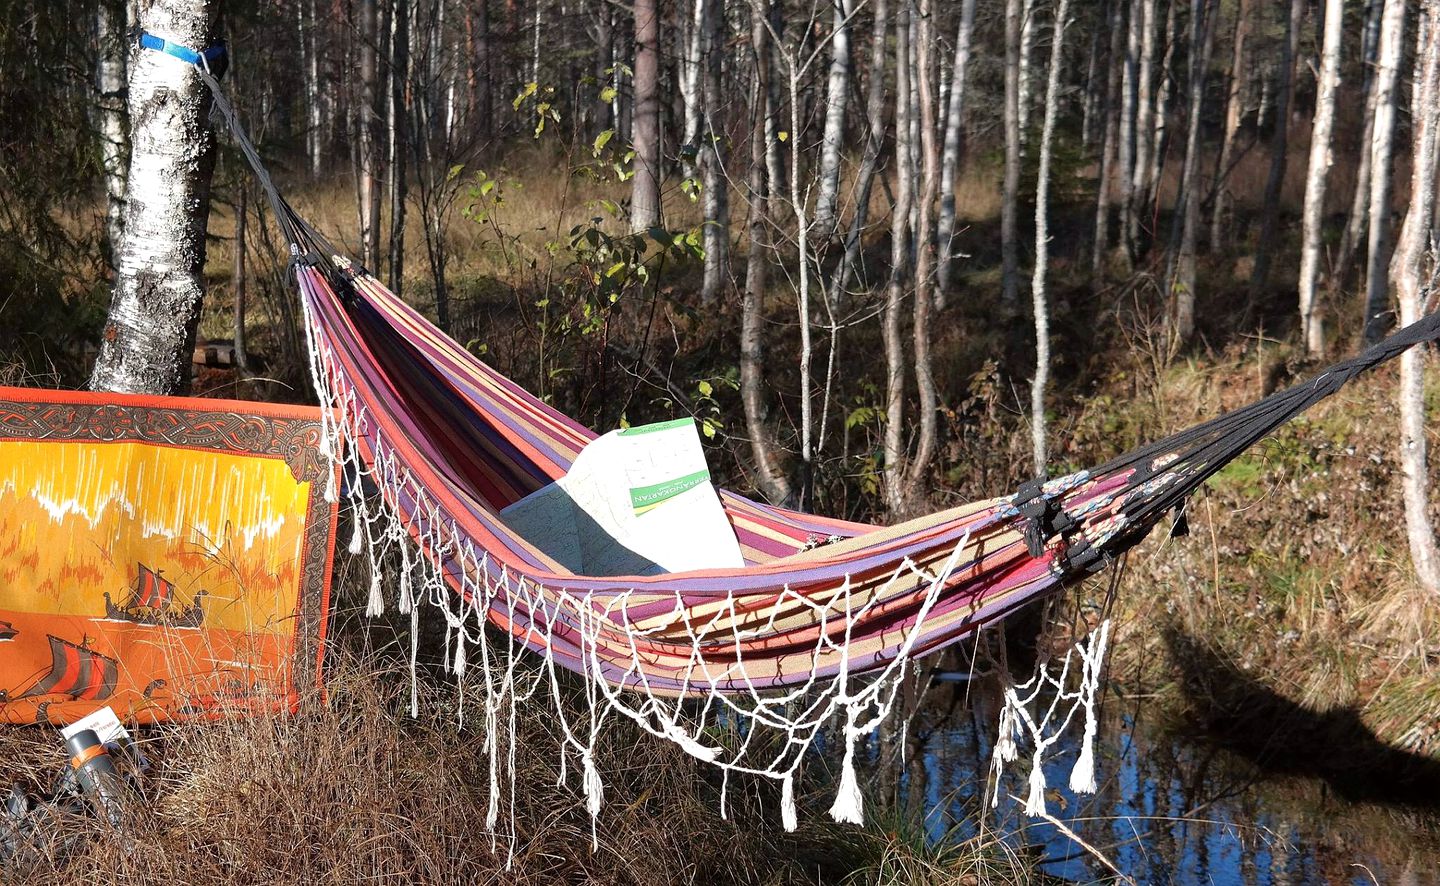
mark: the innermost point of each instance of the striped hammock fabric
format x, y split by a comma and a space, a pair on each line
819, 625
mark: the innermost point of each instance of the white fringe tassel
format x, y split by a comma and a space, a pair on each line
1035, 802
788, 816
849, 806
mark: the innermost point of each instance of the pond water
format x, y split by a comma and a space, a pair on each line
1176, 808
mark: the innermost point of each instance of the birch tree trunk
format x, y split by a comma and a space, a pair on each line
645, 184
799, 206
716, 208
398, 126
1144, 125
1028, 27
925, 73
874, 143
1093, 97
894, 444
1180, 315
774, 150
950, 156
314, 137
1356, 221
150, 333
1279, 152
1412, 254
1042, 245
768, 476
1109, 141
369, 144
110, 111
1161, 116
1126, 153
1234, 110
1311, 327
1387, 75
690, 86
832, 141
1009, 247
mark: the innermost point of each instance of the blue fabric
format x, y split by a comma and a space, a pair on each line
184, 53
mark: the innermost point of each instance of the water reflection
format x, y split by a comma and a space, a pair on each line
1173, 809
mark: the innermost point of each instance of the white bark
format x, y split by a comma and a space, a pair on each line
950, 153
1042, 246
110, 86
802, 287
151, 328
1144, 125
716, 203
314, 142
397, 117
924, 234
1028, 27
832, 141
870, 157
366, 123
894, 443
535, 44
690, 87
1387, 75
1130, 99
1161, 117
1316, 173
1010, 195
1413, 251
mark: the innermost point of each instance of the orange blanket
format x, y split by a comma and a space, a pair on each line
167, 557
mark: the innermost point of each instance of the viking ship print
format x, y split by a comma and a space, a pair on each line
7, 631
152, 602
76, 671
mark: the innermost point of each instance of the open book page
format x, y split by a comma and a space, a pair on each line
637, 501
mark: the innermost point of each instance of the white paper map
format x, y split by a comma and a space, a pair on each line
636, 501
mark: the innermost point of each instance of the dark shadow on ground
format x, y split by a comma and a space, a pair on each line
1283, 737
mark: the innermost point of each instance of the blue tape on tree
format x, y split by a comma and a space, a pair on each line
184, 53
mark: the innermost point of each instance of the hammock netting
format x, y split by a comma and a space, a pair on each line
818, 627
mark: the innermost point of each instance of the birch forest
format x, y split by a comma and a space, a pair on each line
878, 214
891, 255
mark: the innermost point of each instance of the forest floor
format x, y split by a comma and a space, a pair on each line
1289, 603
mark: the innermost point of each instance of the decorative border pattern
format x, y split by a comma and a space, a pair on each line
289, 433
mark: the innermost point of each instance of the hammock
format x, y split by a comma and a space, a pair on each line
821, 622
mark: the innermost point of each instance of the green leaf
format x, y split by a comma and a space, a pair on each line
601, 141
705, 388
454, 172
607, 95
527, 91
